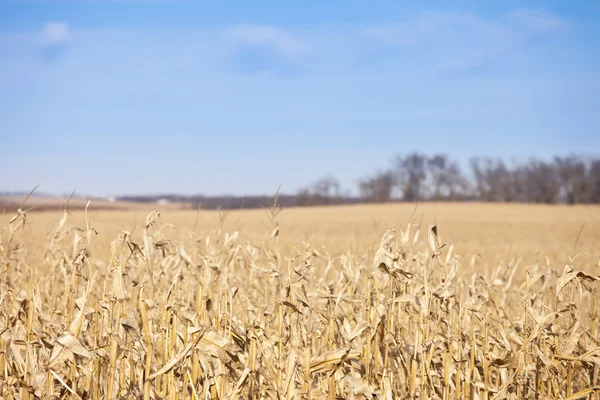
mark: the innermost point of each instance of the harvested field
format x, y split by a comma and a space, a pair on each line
10, 204
369, 301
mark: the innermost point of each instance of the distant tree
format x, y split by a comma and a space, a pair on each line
417, 177
572, 175
493, 180
488, 175
437, 167
481, 174
543, 183
410, 174
328, 189
569, 179
377, 188
447, 180
304, 197
594, 179
520, 175
501, 181
458, 184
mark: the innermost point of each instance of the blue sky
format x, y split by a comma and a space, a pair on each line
123, 97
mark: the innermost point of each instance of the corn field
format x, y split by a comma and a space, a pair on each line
220, 318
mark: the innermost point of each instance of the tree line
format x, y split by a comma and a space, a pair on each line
419, 177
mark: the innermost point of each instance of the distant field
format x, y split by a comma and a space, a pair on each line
44, 203
497, 232
303, 303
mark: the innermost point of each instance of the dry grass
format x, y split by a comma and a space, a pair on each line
307, 303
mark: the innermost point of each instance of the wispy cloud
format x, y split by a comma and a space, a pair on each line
460, 41
55, 34
409, 32
537, 21
54, 39
261, 48
264, 36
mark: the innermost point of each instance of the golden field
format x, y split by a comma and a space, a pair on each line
351, 302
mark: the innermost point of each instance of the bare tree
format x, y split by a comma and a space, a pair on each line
572, 174
594, 179
501, 180
410, 174
417, 177
543, 184
446, 178
377, 188
458, 185
493, 180
326, 190
304, 197
480, 167
437, 167
567, 178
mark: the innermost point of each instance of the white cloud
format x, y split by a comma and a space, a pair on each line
264, 36
55, 33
